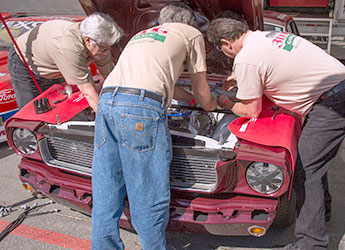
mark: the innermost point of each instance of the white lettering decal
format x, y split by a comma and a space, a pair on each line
7, 95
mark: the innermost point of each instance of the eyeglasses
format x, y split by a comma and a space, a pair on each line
102, 48
219, 46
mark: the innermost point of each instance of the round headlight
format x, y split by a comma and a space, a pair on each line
25, 141
264, 178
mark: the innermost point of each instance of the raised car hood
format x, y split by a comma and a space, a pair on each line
128, 13
136, 15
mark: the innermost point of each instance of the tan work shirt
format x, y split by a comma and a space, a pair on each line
56, 49
155, 58
288, 69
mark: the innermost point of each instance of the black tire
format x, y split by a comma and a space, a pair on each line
286, 211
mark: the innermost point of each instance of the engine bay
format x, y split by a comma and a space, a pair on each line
191, 120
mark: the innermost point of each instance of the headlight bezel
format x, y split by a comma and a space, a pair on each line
272, 185
25, 141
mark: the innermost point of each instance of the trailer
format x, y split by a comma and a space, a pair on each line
321, 21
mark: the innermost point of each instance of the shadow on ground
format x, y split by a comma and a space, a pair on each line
5, 150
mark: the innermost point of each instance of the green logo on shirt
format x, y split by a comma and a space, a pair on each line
282, 40
155, 36
289, 42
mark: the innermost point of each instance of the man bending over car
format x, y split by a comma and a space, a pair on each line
300, 77
60, 50
133, 147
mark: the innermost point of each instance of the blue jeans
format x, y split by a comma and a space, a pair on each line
320, 140
132, 153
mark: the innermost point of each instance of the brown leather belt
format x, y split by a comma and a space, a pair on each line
133, 91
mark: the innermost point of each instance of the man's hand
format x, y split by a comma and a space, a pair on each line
225, 102
230, 82
222, 99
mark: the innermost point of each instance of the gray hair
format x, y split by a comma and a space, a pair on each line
177, 13
101, 28
225, 28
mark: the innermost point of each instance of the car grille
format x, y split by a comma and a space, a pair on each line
193, 172
187, 171
67, 154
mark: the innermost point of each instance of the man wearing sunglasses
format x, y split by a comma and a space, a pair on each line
300, 77
60, 50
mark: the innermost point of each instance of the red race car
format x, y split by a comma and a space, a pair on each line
229, 175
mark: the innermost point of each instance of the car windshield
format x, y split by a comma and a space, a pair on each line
268, 27
17, 27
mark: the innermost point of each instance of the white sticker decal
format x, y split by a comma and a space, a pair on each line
80, 97
243, 128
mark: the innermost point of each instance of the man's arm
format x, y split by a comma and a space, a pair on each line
90, 93
247, 108
182, 95
201, 91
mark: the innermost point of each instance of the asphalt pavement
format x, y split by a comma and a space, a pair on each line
67, 229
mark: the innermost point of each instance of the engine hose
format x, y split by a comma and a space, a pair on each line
215, 87
175, 113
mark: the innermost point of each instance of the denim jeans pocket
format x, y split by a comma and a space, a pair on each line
100, 137
139, 133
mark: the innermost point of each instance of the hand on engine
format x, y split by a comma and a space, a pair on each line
230, 82
223, 100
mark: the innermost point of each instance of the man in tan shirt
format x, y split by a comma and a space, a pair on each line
133, 147
300, 77
61, 50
